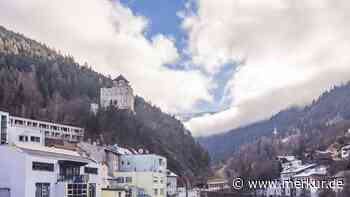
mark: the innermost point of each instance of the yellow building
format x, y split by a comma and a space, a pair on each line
113, 192
151, 183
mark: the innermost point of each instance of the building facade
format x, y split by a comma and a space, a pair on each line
17, 129
29, 168
37, 171
143, 163
144, 174
120, 95
146, 184
217, 184
171, 183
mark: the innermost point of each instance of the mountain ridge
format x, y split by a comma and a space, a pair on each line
331, 107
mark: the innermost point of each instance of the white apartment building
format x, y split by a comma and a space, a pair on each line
14, 129
28, 168
143, 163
120, 95
33, 170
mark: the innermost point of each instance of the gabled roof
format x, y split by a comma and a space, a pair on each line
121, 77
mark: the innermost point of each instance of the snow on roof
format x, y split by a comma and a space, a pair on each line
323, 152
319, 170
120, 150
346, 146
216, 180
288, 158
56, 152
171, 174
297, 169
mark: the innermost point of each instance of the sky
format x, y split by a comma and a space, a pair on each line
244, 59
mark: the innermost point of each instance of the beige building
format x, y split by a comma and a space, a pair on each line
120, 95
217, 184
152, 183
115, 192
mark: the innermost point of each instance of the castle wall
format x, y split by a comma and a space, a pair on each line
120, 95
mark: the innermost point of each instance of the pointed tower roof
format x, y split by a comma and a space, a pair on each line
121, 77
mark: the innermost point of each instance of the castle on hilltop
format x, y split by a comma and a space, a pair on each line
119, 95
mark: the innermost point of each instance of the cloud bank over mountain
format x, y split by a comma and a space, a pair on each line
292, 52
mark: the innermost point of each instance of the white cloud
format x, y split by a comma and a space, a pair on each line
110, 37
294, 50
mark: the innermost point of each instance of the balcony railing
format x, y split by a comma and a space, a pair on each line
73, 178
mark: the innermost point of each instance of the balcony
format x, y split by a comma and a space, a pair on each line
73, 178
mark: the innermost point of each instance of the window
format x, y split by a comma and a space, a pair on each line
156, 192
79, 190
34, 139
3, 130
23, 138
5, 192
40, 166
92, 190
161, 191
120, 179
89, 170
42, 190
128, 179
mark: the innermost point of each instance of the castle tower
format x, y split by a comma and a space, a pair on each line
120, 95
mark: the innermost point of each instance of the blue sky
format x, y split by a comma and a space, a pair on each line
162, 16
163, 19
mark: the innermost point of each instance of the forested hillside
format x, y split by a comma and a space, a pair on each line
330, 109
38, 82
